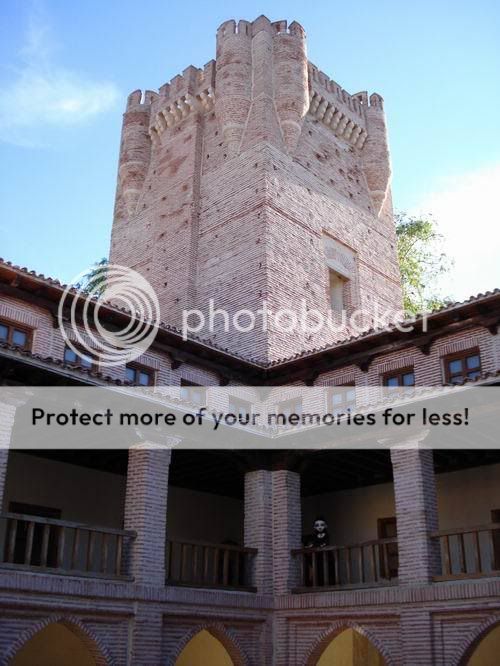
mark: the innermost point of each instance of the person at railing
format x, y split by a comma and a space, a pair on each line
319, 538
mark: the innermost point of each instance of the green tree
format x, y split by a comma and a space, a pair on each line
94, 281
421, 261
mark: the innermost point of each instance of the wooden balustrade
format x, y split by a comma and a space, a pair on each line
469, 552
362, 564
200, 564
59, 546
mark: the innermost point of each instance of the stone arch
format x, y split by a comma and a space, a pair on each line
334, 630
93, 644
222, 634
472, 640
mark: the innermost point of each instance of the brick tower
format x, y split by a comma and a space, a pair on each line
257, 178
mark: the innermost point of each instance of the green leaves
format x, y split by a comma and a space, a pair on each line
421, 262
94, 282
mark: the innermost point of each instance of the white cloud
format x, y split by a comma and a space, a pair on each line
467, 212
43, 93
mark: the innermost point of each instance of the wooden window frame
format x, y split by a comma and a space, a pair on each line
233, 401
139, 367
399, 373
14, 325
282, 405
95, 363
186, 383
460, 356
344, 405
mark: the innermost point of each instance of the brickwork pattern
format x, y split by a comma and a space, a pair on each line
216, 202
416, 514
273, 525
146, 511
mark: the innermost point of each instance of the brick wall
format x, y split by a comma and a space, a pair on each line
230, 199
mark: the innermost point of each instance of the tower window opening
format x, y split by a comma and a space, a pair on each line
338, 285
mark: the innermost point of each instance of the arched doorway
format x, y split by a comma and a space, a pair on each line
350, 648
487, 650
54, 645
204, 650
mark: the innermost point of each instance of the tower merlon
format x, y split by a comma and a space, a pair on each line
377, 101
141, 101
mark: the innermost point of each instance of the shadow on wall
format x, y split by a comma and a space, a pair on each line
55, 645
204, 650
350, 648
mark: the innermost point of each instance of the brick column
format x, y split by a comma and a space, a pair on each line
416, 637
416, 513
146, 636
146, 511
258, 526
7, 414
273, 526
287, 529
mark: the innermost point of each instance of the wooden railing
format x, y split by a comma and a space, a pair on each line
362, 564
470, 552
59, 546
200, 564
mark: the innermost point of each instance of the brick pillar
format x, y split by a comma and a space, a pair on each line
146, 636
287, 529
273, 526
416, 638
416, 513
7, 414
146, 511
258, 526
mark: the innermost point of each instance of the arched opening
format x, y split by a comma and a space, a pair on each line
487, 651
350, 648
204, 650
54, 645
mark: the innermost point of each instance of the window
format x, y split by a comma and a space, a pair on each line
337, 289
15, 335
288, 407
85, 359
462, 366
398, 378
193, 393
240, 407
342, 399
139, 375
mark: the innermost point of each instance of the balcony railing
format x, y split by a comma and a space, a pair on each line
470, 552
357, 565
58, 546
200, 564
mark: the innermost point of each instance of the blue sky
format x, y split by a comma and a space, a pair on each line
66, 68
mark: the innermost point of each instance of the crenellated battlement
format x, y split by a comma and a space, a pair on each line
191, 90
176, 110
139, 100
251, 28
323, 84
340, 122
